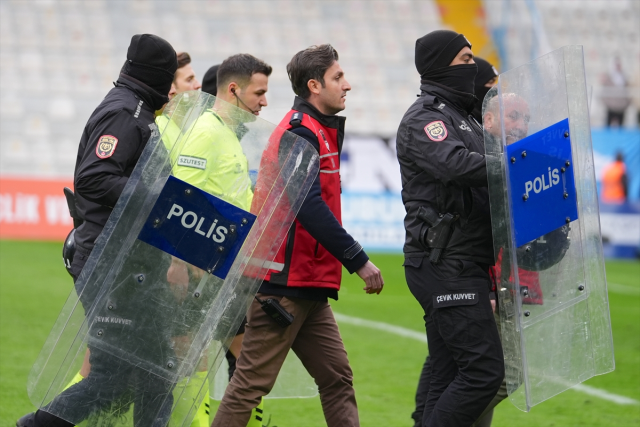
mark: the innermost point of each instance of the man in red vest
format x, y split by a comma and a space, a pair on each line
308, 267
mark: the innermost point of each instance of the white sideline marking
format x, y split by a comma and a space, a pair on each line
603, 394
617, 288
419, 336
380, 326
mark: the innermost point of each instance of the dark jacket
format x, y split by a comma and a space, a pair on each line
126, 116
448, 174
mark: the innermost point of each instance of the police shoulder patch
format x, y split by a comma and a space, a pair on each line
106, 146
436, 131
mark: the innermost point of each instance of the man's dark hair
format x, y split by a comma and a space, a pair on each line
308, 64
239, 68
183, 59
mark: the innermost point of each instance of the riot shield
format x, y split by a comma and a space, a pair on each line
553, 305
293, 381
171, 276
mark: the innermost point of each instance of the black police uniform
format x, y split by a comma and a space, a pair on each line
127, 115
441, 153
111, 144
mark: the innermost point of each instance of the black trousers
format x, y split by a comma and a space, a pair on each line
422, 393
467, 365
110, 388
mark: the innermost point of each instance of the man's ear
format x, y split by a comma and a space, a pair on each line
487, 120
232, 88
314, 86
173, 91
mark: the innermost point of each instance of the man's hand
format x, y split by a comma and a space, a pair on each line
178, 278
493, 305
372, 278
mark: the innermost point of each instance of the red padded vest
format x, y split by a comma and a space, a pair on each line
301, 261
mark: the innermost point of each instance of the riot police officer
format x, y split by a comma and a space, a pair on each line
448, 247
486, 78
111, 144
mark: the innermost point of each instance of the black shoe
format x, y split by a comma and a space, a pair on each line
26, 421
42, 418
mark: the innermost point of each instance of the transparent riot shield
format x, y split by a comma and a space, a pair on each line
553, 305
293, 381
180, 259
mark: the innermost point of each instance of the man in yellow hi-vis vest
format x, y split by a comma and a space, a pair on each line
211, 157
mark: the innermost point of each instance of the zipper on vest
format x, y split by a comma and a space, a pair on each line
315, 254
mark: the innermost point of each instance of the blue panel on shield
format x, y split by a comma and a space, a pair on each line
196, 227
541, 180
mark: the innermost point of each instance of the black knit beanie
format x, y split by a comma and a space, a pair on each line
437, 49
210, 80
151, 60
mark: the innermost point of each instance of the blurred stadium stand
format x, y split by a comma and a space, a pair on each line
524, 30
58, 58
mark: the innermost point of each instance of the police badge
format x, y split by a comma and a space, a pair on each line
106, 146
436, 131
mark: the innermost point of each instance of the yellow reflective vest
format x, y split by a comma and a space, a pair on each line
169, 130
212, 160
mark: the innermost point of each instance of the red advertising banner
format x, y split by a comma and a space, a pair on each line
34, 209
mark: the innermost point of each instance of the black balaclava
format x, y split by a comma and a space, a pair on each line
434, 53
210, 80
152, 61
486, 72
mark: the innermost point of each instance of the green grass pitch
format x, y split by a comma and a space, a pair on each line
34, 286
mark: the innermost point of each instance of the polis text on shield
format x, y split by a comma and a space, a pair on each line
190, 220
